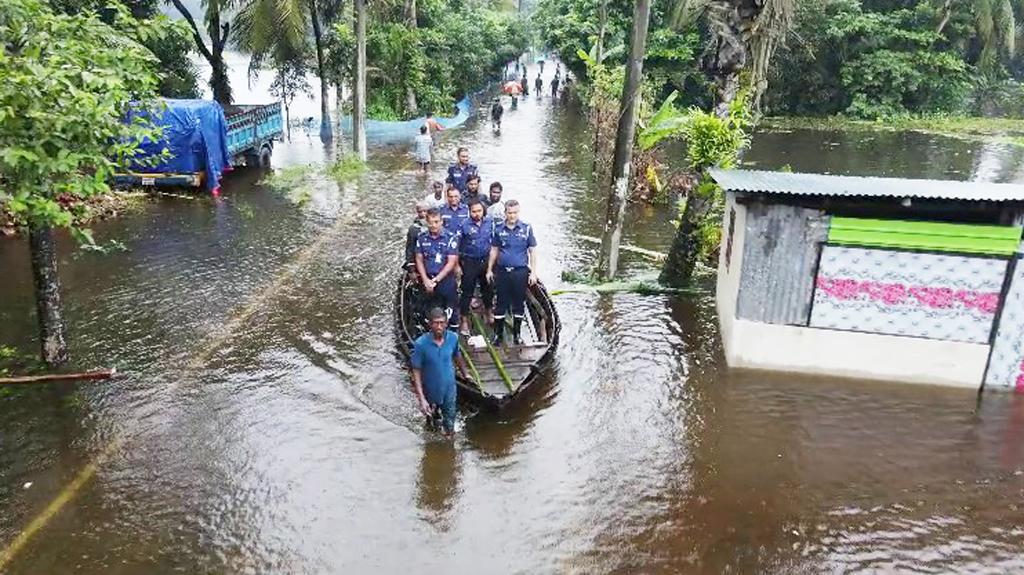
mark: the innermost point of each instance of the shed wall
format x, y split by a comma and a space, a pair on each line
780, 256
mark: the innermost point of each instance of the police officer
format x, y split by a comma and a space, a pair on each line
459, 172
437, 256
454, 212
474, 248
512, 266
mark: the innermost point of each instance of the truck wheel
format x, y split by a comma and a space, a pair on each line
264, 157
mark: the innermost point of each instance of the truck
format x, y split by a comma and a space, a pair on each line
203, 141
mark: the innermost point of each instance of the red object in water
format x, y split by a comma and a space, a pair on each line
512, 88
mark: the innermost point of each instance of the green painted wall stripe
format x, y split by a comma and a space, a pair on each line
931, 236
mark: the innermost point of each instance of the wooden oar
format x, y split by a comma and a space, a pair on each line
494, 356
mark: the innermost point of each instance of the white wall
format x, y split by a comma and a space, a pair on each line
728, 285
851, 354
807, 350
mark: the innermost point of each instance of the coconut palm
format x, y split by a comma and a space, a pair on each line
745, 36
265, 28
995, 22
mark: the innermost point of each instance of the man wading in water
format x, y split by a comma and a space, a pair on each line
434, 356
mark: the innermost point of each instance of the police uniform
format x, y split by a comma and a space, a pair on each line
435, 251
452, 218
474, 248
511, 273
458, 175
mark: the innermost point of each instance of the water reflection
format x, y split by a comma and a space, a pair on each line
438, 484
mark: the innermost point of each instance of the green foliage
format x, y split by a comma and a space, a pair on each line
68, 83
453, 51
711, 141
347, 169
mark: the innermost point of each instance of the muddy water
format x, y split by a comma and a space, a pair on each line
263, 422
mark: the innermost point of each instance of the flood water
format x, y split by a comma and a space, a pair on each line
262, 421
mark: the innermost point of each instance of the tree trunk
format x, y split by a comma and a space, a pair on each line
47, 286
339, 91
326, 130
359, 90
624, 141
682, 257
728, 51
412, 107
219, 83
599, 56
288, 120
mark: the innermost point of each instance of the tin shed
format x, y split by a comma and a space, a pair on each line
879, 278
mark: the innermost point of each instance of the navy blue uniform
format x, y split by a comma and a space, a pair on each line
474, 248
435, 251
453, 218
511, 272
458, 175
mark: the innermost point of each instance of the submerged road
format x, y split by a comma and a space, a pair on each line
263, 422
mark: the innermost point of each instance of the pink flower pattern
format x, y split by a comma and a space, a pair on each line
897, 293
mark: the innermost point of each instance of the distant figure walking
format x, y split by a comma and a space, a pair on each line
554, 87
542, 65
538, 84
422, 145
524, 84
497, 111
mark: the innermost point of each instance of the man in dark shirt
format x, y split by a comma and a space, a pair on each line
474, 248
418, 225
460, 171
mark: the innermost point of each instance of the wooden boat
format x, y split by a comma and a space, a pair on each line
502, 374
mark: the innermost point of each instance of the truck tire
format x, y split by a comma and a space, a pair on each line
265, 152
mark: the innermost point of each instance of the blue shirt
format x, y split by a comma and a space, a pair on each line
458, 174
437, 370
513, 243
475, 238
453, 217
436, 250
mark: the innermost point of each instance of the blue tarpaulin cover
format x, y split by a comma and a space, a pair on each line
195, 133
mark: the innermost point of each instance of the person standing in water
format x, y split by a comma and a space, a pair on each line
422, 145
512, 267
435, 354
460, 171
554, 86
524, 84
432, 125
497, 111
538, 84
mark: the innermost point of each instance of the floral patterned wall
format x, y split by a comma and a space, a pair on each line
935, 296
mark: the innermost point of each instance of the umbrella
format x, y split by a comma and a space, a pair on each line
512, 88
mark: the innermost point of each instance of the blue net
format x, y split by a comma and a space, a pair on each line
385, 131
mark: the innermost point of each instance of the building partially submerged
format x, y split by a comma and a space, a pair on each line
881, 278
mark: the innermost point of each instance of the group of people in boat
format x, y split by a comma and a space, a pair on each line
462, 240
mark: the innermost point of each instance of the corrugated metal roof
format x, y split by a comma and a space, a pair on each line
825, 185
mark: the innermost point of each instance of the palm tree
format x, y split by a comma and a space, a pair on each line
268, 27
995, 23
214, 54
745, 35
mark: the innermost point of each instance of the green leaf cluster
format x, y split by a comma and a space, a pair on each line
68, 83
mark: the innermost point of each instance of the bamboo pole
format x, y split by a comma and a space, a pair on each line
88, 375
494, 355
472, 367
